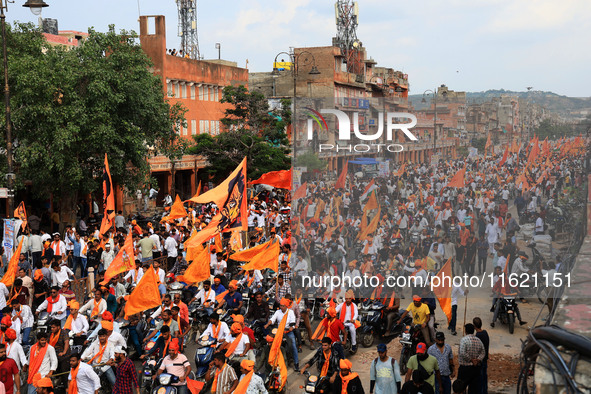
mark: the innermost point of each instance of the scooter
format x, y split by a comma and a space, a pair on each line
203, 356
316, 384
166, 383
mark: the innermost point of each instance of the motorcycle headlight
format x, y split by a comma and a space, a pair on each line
313, 378
164, 379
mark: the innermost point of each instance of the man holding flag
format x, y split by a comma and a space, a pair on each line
290, 326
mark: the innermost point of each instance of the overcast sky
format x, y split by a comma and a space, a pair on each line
470, 45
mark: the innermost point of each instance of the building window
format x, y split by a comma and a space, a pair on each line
193, 92
206, 94
206, 124
201, 92
183, 90
193, 127
169, 89
176, 90
216, 92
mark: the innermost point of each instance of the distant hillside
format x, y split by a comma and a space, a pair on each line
553, 102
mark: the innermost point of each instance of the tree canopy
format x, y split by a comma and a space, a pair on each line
250, 128
70, 107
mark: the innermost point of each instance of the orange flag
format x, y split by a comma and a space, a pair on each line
230, 196
194, 386
145, 295
301, 191
372, 203
343, 177
505, 155
198, 190
401, 170
443, 291
279, 179
363, 225
235, 240
459, 180
123, 262
10, 274
533, 153
192, 253
275, 355
249, 254
177, 211
372, 227
108, 193
198, 270
488, 144
269, 258
21, 213
218, 243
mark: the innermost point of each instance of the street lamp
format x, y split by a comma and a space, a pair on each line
294, 58
35, 6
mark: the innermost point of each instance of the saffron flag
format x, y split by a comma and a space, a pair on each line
372, 203
145, 295
177, 211
10, 274
230, 196
123, 262
235, 240
108, 194
198, 270
275, 355
279, 179
301, 191
533, 153
459, 180
21, 213
343, 177
194, 386
248, 254
443, 291
218, 243
268, 258
372, 227
505, 156
401, 170
363, 225
488, 144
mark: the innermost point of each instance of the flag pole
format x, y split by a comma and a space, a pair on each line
465, 309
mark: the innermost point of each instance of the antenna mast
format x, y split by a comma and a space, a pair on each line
187, 29
346, 15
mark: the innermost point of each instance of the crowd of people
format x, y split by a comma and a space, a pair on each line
408, 224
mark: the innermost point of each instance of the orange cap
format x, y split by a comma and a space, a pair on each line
236, 328
345, 364
238, 318
332, 312
38, 275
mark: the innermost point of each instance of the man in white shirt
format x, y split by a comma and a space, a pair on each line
289, 327
349, 317
48, 364
539, 225
95, 306
36, 247
241, 351
60, 273
161, 276
106, 257
206, 296
55, 305
114, 338
3, 295
78, 324
14, 349
492, 233
86, 380
58, 246
170, 245
101, 352
216, 329
157, 252
23, 314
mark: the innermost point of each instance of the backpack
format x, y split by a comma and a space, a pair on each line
423, 372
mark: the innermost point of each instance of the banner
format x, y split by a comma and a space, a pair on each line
8, 242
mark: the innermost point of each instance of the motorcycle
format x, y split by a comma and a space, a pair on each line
203, 355
149, 368
166, 383
507, 311
105, 387
316, 384
411, 336
373, 321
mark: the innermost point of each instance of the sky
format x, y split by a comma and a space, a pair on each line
469, 45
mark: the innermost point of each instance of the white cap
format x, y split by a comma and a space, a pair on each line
120, 350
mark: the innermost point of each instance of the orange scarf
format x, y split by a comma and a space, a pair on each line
324, 370
329, 332
318, 334
216, 330
69, 320
36, 357
95, 309
99, 354
344, 312
73, 387
345, 381
53, 246
53, 338
243, 384
166, 346
233, 345
50, 302
214, 385
178, 321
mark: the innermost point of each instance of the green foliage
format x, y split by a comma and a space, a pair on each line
479, 143
554, 131
311, 161
70, 107
250, 129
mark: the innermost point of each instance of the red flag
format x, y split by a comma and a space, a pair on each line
343, 177
279, 179
443, 291
301, 191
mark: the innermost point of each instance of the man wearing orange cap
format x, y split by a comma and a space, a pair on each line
420, 315
114, 338
348, 314
334, 328
44, 386
252, 382
245, 329
42, 360
346, 382
14, 350
289, 327
176, 364
233, 300
237, 344
5, 324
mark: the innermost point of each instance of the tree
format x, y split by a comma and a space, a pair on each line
553, 130
70, 107
311, 161
251, 129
